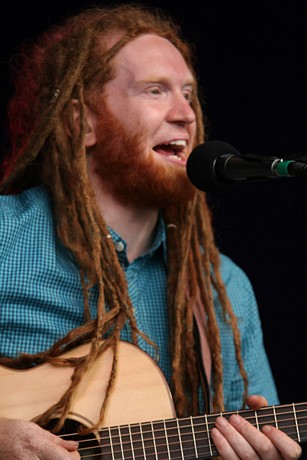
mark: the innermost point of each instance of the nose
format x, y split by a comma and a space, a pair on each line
181, 111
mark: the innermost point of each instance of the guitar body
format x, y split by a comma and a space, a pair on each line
25, 394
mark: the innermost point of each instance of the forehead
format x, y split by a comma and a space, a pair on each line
151, 54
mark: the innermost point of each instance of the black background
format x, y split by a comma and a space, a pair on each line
252, 69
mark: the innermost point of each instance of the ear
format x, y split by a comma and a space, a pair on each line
90, 134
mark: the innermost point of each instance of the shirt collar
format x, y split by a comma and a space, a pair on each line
159, 240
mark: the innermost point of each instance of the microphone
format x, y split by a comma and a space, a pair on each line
218, 166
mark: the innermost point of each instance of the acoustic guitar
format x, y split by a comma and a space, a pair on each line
140, 421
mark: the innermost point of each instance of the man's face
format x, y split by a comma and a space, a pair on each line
146, 126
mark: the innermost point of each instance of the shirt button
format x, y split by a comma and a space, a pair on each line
119, 246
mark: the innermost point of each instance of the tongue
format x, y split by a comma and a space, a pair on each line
165, 150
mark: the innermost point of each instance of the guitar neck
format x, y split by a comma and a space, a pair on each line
189, 438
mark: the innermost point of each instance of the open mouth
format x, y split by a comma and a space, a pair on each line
174, 150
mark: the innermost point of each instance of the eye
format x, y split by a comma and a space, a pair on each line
188, 95
154, 90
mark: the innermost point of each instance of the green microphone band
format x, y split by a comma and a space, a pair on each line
282, 168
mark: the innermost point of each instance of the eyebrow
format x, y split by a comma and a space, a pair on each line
157, 79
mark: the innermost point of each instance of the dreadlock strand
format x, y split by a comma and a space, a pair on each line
192, 363
51, 106
114, 347
214, 340
174, 251
116, 285
179, 323
232, 319
191, 379
219, 286
202, 247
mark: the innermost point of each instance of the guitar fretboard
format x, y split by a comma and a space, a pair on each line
189, 438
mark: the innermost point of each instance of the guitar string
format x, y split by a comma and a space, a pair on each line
262, 423
200, 418
148, 451
184, 442
157, 437
175, 455
133, 455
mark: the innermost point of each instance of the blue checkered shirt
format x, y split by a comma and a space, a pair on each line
41, 297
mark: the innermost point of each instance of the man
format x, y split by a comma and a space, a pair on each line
107, 239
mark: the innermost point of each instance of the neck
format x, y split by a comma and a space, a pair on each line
135, 225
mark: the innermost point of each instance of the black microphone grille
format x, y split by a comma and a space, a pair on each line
200, 166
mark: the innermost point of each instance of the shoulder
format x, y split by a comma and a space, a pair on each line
25, 220
14, 207
233, 274
28, 210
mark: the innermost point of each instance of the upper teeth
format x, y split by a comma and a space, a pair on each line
181, 143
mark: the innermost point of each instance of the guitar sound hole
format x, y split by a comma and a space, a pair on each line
88, 445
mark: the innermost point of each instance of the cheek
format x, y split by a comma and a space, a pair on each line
133, 120
145, 123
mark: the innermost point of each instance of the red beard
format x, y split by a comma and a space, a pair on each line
131, 176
